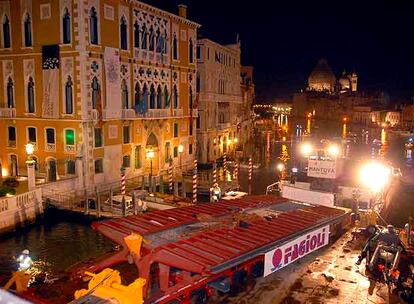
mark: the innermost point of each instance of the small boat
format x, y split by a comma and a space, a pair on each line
231, 195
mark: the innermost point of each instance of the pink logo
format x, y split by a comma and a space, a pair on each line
277, 259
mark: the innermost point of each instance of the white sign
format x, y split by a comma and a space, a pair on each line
296, 249
308, 196
322, 168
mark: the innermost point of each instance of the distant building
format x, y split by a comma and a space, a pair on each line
322, 79
245, 126
94, 85
220, 99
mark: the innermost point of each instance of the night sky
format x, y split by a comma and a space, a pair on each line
283, 40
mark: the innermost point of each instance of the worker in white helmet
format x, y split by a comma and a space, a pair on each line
24, 260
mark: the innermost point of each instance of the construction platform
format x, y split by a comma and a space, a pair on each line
190, 249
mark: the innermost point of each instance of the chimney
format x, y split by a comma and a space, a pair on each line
182, 10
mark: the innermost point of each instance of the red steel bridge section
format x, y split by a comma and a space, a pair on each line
188, 248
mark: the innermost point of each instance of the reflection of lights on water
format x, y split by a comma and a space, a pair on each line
383, 136
344, 130
408, 155
308, 126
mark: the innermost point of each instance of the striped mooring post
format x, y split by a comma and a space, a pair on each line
170, 176
225, 165
214, 174
195, 182
250, 169
123, 187
236, 171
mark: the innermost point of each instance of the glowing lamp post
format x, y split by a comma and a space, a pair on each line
150, 155
180, 151
31, 179
333, 150
306, 149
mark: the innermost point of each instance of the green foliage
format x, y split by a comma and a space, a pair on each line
5, 190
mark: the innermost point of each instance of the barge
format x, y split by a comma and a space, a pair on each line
195, 253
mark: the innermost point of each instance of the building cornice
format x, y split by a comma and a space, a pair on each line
163, 13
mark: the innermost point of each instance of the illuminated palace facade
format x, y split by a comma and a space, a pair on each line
94, 85
220, 99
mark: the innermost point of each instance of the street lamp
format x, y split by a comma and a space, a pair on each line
150, 155
306, 149
180, 151
333, 150
375, 176
31, 179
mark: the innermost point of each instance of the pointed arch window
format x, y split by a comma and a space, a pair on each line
190, 98
145, 95
158, 39
10, 93
69, 96
93, 26
164, 42
151, 39
175, 97
136, 34
175, 47
124, 92
96, 89
27, 25
152, 97
144, 37
30, 96
6, 32
191, 51
138, 98
159, 97
166, 98
124, 34
66, 26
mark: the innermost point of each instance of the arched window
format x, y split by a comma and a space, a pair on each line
30, 96
151, 38
10, 94
145, 94
158, 39
175, 48
198, 83
164, 42
175, 97
69, 96
191, 51
137, 98
144, 37
166, 98
124, 92
124, 34
93, 26
66, 26
136, 34
152, 97
159, 97
96, 89
190, 98
27, 30
6, 32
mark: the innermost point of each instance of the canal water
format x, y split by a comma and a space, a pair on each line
56, 242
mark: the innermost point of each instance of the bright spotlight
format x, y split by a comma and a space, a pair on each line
306, 149
333, 150
280, 167
374, 176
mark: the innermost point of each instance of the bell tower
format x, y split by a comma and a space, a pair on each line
354, 81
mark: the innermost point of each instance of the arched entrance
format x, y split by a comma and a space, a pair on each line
152, 159
51, 170
13, 165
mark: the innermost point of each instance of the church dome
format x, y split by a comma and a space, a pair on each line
322, 78
344, 82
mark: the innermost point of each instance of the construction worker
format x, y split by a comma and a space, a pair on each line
24, 260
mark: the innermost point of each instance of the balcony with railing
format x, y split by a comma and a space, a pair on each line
178, 112
128, 113
7, 112
155, 114
50, 147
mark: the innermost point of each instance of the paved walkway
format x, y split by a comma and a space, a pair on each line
327, 276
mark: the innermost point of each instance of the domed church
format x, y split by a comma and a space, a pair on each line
322, 79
